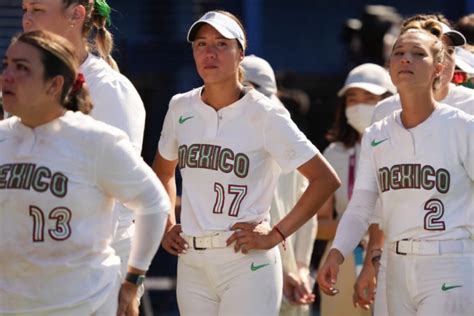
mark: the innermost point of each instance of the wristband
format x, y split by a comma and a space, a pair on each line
283, 243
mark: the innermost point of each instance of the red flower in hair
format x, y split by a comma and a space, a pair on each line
78, 83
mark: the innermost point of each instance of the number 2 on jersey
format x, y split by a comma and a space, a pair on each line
435, 212
238, 191
62, 230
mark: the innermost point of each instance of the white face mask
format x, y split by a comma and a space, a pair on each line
359, 116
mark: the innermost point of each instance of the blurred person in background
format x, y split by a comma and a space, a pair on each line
297, 283
365, 85
465, 25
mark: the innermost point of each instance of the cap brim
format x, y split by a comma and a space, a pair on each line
457, 39
465, 60
372, 88
221, 29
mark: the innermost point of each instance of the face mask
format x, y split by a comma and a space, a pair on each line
359, 116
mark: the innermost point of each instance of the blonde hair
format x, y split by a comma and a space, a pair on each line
97, 18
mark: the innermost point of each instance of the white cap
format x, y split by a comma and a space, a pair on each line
370, 77
456, 37
259, 72
464, 60
224, 24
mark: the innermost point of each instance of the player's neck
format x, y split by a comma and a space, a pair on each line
219, 96
441, 93
417, 106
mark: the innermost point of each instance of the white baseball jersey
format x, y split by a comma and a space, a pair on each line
58, 184
117, 103
229, 159
424, 175
458, 96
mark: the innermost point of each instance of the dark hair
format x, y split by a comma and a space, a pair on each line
465, 25
59, 59
340, 130
97, 18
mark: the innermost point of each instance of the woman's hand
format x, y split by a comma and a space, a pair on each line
249, 236
296, 288
173, 242
327, 274
364, 288
128, 303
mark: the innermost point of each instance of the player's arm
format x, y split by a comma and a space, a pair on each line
165, 170
323, 181
327, 225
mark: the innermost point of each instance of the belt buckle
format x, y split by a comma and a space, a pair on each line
196, 247
396, 248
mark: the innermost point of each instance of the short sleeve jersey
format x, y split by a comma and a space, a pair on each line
229, 159
424, 175
58, 184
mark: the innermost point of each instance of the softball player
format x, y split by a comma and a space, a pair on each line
230, 144
116, 101
426, 188
60, 173
447, 93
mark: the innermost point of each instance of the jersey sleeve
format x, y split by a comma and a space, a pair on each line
122, 174
366, 172
168, 143
118, 103
468, 154
285, 142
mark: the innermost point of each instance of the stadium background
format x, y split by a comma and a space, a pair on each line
304, 40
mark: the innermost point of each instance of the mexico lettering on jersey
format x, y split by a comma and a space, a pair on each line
413, 176
213, 157
424, 174
29, 176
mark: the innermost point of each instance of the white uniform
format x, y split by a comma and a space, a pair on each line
424, 176
459, 97
117, 103
340, 159
230, 161
58, 184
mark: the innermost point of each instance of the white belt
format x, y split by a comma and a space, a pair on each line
218, 240
432, 247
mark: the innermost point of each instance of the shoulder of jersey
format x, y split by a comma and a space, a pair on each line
6, 125
386, 107
335, 148
453, 113
462, 98
99, 74
83, 124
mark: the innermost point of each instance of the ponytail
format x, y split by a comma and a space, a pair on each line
78, 98
103, 40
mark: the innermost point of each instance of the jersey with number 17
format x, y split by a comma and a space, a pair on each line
230, 159
424, 174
